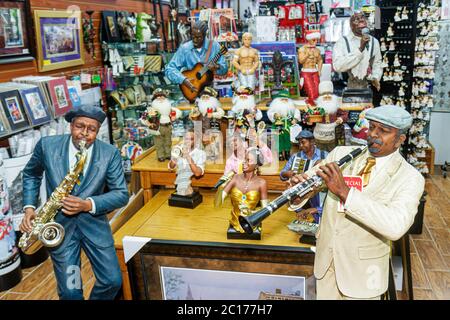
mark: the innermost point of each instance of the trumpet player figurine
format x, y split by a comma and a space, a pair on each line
189, 161
246, 190
83, 212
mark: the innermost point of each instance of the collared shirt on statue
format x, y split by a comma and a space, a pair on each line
187, 56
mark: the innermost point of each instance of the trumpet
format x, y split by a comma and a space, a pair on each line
177, 151
303, 190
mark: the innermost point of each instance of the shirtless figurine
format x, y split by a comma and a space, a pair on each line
246, 61
311, 60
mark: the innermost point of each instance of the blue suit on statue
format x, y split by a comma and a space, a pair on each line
104, 183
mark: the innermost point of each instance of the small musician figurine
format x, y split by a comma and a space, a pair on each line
189, 161
246, 190
301, 162
198, 50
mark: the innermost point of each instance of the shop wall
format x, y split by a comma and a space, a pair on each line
9, 71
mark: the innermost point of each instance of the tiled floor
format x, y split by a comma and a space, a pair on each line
430, 256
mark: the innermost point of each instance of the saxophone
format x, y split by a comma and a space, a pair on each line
45, 231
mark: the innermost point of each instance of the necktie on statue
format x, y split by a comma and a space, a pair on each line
80, 177
365, 172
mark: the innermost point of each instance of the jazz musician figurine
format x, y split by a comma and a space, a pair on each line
194, 64
246, 191
189, 161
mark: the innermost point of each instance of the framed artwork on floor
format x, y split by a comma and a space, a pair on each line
59, 94
15, 29
58, 39
35, 106
13, 110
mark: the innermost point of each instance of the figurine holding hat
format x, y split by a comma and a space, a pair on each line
161, 106
311, 60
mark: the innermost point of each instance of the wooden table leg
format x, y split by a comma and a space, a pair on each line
148, 194
126, 286
406, 261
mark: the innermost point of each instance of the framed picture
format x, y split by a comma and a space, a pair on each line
13, 110
172, 270
110, 28
74, 97
4, 129
59, 39
15, 29
196, 284
59, 94
35, 106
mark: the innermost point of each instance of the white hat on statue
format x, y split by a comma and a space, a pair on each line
326, 87
312, 34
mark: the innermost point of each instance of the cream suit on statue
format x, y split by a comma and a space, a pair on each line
357, 242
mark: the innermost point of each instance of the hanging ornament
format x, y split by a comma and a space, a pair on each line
89, 33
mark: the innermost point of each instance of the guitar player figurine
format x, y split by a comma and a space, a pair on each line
203, 55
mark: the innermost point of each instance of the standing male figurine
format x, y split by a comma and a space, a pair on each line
360, 221
359, 55
162, 105
311, 60
83, 213
246, 61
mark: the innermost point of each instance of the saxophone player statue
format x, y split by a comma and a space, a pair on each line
45, 231
80, 208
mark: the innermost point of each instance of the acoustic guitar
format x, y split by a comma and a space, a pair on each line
200, 76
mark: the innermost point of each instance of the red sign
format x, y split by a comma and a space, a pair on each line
351, 182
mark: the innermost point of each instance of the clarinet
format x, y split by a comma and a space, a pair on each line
313, 184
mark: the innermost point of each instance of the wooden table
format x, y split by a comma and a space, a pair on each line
201, 233
154, 173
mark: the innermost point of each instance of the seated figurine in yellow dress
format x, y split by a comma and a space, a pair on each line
246, 190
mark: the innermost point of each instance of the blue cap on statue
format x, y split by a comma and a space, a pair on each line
304, 134
88, 111
391, 116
